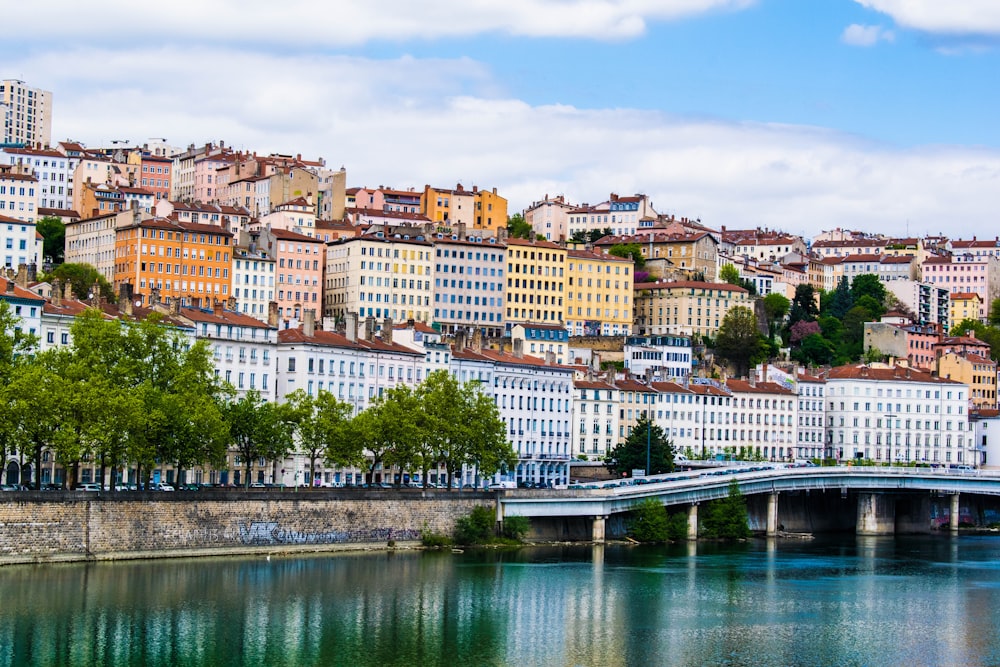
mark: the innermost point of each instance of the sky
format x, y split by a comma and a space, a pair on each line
798, 115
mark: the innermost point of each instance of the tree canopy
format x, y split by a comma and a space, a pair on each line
738, 340
81, 277
629, 251
632, 453
53, 231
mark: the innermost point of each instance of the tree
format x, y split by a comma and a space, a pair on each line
649, 522
738, 340
81, 277
257, 430
632, 454
841, 299
34, 408
729, 274
776, 307
803, 305
320, 426
517, 227
814, 350
868, 284
15, 343
995, 312
53, 231
629, 251
727, 518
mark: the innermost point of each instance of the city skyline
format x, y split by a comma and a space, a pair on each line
870, 114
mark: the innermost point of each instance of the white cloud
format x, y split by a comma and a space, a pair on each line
865, 35
409, 122
951, 17
299, 23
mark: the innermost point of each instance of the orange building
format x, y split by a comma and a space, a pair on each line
181, 260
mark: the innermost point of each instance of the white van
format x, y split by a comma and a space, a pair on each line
88, 487
504, 484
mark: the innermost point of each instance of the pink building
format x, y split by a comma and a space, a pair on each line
155, 175
300, 261
206, 178
979, 274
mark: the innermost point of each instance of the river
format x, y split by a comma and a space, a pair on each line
833, 601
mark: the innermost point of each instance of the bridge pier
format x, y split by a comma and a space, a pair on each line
772, 514
953, 517
693, 522
876, 514
597, 529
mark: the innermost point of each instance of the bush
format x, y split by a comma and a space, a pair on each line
677, 527
726, 519
649, 522
434, 540
516, 527
477, 528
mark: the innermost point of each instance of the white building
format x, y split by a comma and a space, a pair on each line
52, 169
535, 400
660, 357
896, 414
812, 417
595, 418
19, 195
765, 416
253, 282
20, 243
25, 114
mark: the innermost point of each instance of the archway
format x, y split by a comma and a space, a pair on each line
26, 477
13, 473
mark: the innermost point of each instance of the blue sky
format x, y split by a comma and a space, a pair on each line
802, 115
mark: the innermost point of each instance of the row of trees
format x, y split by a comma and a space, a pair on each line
139, 395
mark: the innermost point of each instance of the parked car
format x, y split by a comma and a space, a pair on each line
88, 487
163, 487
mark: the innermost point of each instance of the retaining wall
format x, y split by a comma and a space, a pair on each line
55, 526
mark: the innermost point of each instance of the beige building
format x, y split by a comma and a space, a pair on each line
550, 217
536, 281
92, 240
598, 294
976, 371
695, 254
26, 114
379, 276
19, 194
685, 307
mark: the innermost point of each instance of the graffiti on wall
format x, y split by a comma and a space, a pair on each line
271, 532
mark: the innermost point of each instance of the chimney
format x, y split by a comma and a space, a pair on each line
32, 272
477, 340
272, 314
410, 323
387, 331
175, 307
460, 340
369, 328
95, 295
550, 357
68, 291
10, 286
231, 304
125, 298
22, 275
216, 307
56, 293
518, 348
461, 231
351, 328
309, 323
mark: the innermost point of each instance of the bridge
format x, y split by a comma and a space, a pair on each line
869, 496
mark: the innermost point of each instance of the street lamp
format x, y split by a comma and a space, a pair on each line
649, 431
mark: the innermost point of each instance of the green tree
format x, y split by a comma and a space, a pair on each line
257, 430
632, 453
320, 426
803, 305
995, 312
814, 350
727, 518
82, 277
16, 344
730, 274
841, 300
629, 251
53, 231
868, 284
738, 340
649, 522
34, 408
517, 227
776, 307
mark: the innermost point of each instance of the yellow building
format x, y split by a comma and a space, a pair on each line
535, 281
974, 370
964, 306
685, 307
598, 294
475, 208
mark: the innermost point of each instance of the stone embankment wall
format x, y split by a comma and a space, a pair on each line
56, 526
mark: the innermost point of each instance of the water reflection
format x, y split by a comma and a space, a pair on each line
871, 600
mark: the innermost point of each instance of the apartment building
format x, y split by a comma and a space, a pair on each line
536, 281
469, 285
25, 114
598, 294
685, 307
